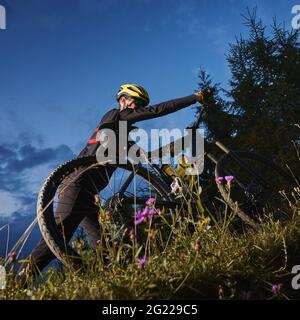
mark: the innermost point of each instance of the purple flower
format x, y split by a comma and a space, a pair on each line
150, 202
158, 211
141, 262
147, 212
139, 217
219, 180
229, 179
276, 288
150, 212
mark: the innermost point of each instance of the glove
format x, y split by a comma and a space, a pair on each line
204, 96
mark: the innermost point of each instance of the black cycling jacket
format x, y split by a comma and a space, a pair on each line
111, 118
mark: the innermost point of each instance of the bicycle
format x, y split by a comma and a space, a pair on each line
257, 181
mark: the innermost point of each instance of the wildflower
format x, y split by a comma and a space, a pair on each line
176, 186
132, 234
184, 159
197, 246
277, 288
221, 292
141, 262
78, 244
206, 220
29, 293
97, 200
107, 216
219, 180
203, 224
207, 228
229, 179
150, 202
139, 217
246, 295
12, 257
152, 233
149, 212
104, 216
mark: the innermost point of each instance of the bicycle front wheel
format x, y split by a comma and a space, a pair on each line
132, 192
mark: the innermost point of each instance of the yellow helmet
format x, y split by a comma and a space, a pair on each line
135, 91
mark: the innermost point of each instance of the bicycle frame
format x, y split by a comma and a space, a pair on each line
160, 151
170, 147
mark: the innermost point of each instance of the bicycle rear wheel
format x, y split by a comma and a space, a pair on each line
256, 186
143, 186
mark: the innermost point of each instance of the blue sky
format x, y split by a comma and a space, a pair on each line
61, 63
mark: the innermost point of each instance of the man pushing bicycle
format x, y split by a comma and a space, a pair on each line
76, 204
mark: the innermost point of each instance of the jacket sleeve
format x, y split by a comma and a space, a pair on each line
157, 110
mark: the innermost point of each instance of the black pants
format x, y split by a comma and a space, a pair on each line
76, 205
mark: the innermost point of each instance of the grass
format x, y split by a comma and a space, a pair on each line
186, 258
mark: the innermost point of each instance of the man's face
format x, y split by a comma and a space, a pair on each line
127, 102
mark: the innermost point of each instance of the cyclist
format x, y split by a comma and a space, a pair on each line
76, 204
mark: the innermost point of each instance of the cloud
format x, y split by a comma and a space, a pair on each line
6, 154
23, 168
185, 16
29, 156
9, 204
14, 159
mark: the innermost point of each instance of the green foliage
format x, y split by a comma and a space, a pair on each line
186, 257
262, 109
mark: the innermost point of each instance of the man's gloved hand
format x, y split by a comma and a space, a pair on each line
204, 96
